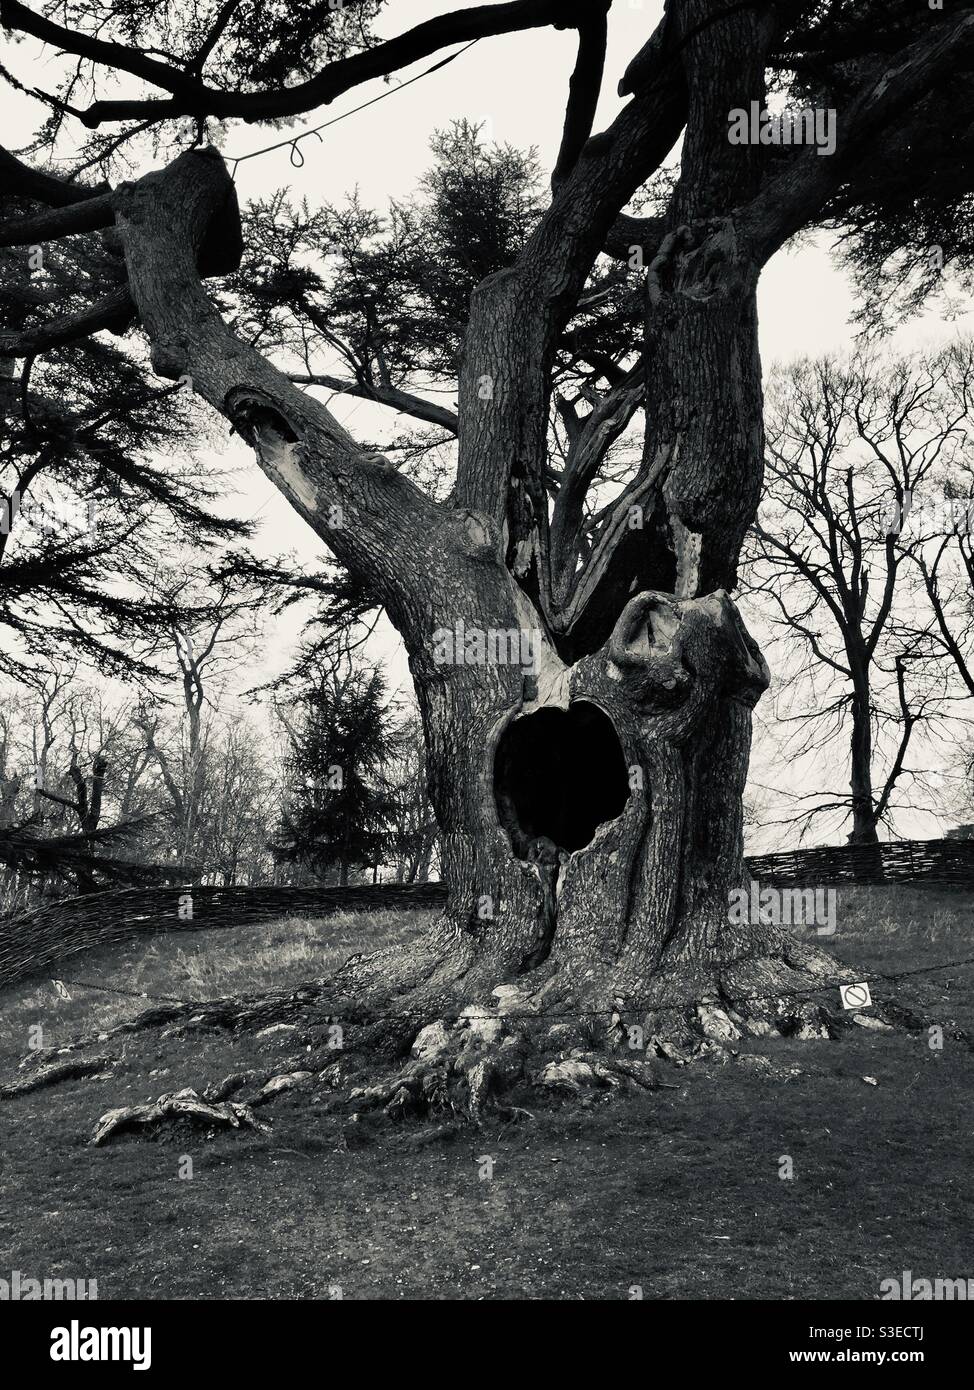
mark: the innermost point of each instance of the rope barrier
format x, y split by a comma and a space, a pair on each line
723, 1001
41, 941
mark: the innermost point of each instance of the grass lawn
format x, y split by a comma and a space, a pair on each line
676, 1192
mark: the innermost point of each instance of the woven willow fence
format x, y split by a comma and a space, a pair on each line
898, 861
38, 941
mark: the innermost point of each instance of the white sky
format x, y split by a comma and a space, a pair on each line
516, 85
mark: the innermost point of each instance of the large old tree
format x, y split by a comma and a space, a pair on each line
589, 797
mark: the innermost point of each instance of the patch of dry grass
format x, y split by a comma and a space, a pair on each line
906, 915
193, 966
283, 953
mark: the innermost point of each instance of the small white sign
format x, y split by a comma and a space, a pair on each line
855, 996
61, 989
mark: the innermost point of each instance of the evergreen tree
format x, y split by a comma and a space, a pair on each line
337, 807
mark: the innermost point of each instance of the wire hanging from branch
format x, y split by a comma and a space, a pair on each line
294, 140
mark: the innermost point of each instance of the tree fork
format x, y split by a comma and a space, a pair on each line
623, 908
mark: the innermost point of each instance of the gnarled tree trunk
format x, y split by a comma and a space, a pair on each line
587, 712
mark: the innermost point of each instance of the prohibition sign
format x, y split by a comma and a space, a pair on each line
855, 996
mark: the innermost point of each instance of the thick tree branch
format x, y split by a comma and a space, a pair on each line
584, 89
54, 223
403, 401
375, 520
115, 312
517, 315
596, 434
117, 56
631, 236
20, 178
596, 572
61, 800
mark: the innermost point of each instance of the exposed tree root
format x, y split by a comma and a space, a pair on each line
51, 1073
181, 1105
434, 1052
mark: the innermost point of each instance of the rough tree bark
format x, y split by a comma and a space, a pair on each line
590, 809
864, 818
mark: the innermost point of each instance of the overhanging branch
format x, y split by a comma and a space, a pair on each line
113, 313
20, 178
116, 56
189, 96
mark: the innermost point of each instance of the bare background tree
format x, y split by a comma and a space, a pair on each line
865, 465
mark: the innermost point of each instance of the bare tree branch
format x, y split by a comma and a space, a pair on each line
584, 89
403, 401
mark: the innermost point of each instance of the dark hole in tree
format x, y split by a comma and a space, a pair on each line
558, 776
